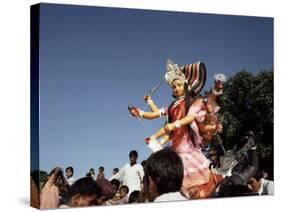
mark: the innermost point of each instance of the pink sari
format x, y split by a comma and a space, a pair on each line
196, 165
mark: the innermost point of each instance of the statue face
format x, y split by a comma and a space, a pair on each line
178, 88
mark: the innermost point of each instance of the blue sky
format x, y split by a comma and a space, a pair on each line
94, 61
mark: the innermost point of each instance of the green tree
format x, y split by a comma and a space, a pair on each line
247, 104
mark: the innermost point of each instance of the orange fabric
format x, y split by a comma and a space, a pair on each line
203, 191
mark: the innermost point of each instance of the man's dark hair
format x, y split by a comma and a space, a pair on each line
70, 168
116, 170
135, 197
258, 175
143, 163
115, 182
101, 168
133, 153
85, 186
166, 170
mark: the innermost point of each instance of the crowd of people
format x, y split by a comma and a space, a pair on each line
185, 164
159, 180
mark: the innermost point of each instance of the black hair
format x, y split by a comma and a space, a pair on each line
116, 170
91, 169
133, 153
85, 186
115, 182
143, 163
258, 175
70, 168
88, 174
124, 188
135, 197
228, 189
101, 168
165, 168
218, 148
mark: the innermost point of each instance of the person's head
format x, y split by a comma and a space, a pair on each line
163, 173
83, 192
115, 171
255, 182
101, 169
133, 157
178, 88
124, 190
213, 155
92, 171
69, 171
106, 191
135, 197
143, 163
115, 185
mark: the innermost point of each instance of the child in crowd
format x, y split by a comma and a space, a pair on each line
69, 171
92, 173
101, 174
115, 171
120, 197
83, 192
124, 190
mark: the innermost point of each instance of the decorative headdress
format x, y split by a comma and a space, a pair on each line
193, 74
173, 73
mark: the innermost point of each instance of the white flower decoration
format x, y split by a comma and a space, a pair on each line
220, 77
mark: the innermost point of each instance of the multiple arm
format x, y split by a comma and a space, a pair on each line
154, 113
164, 133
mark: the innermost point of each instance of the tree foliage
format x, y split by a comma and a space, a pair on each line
247, 104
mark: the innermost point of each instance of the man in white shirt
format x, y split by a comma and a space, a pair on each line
163, 177
132, 174
260, 185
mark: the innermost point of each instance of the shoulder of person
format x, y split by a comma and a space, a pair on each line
139, 166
